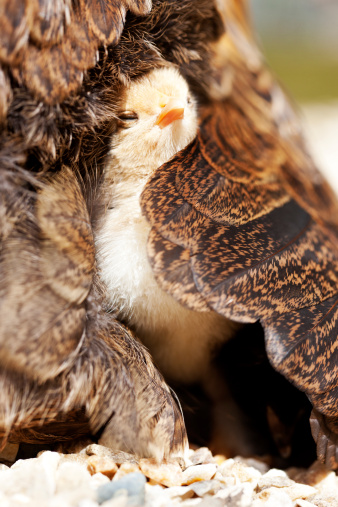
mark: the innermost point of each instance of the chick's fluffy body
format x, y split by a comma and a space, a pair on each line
179, 339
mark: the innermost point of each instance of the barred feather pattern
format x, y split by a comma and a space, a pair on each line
243, 221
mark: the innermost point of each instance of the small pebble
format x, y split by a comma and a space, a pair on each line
156, 496
198, 473
295, 492
202, 456
118, 501
71, 475
226, 465
103, 465
87, 503
181, 492
219, 459
126, 468
302, 491
326, 503
239, 495
33, 477
192, 502
225, 480
254, 463
304, 503
274, 472
82, 459
98, 480
211, 502
118, 457
133, 484
277, 481
273, 497
4, 502
168, 474
240, 471
203, 488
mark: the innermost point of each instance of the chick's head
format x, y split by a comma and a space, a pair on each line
157, 118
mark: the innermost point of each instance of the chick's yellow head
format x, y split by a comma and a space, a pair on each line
157, 118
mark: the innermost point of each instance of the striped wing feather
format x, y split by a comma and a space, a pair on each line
247, 219
223, 216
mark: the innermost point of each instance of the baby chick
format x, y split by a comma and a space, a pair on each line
158, 118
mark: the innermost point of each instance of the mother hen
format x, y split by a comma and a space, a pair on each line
241, 221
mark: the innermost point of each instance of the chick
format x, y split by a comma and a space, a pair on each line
158, 118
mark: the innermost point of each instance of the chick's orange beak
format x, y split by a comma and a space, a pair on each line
173, 110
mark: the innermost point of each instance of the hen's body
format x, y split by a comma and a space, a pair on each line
241, 221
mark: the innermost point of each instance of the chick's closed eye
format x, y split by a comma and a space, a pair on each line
127, 118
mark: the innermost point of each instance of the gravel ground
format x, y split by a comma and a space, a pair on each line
96, 476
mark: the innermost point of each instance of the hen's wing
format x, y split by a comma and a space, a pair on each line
243, 223
68, 369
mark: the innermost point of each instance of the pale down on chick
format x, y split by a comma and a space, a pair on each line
158, 118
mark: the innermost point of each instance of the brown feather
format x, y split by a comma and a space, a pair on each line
242, 220
247, 217
72, 369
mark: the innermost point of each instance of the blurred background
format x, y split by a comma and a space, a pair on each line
299, 39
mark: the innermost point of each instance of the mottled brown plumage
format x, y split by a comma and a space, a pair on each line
67, 367
243, 223
241, 220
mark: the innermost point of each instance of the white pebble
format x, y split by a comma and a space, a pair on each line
119, 501
203, 488
273, 497
21, 499
192, 502
226, 465
300, 491
71, 475
156, 497
34, 478
198, 473
87, 503
97, 480
304, 503
182, 492
202, 456
240, 471
276, 480
255, 463
241, 494
274, 472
